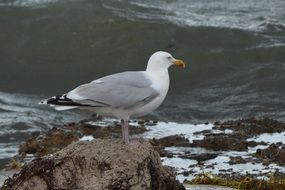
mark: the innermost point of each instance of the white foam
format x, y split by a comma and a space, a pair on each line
269, 137
28, 3
163, 129
87, 138
252, 15
178, 163
220, 163
8, 150
104, 123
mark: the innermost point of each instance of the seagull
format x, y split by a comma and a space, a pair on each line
122, 95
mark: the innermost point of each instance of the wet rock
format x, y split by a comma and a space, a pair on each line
212, 166
31, 146
113, 130
200, 157
147, 122
58, 138
221, 142
200, 164
163, 153
204, 132
253, 143
237, 160
173, 140
273, 153
186, 173
241, 130
278, 175
98, 164
252, 126
54, 140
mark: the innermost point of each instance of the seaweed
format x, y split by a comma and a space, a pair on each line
243, 183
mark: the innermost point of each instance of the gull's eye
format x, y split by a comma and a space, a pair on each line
169, 57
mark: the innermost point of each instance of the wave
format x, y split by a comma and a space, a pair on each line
21, 116
27, 3
255, 15
20, 112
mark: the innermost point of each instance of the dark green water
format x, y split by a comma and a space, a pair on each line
235, 54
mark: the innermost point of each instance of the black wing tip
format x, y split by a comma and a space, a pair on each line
58, 99
61, 100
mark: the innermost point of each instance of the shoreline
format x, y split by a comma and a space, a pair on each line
198, 154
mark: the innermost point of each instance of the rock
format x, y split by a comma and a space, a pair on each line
54, 140
186, 173
251, 126
253, 143
58, 138
236, 160
200, 157
273, 154
98, 164
225, 142
164, 153
112, 130
241, 130
221, 142
173, 140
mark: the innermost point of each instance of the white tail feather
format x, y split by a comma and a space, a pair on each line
62, 108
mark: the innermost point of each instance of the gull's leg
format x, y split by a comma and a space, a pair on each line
125, 135
126, 125
125, 131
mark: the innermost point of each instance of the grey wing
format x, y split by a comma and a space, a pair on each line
123, 90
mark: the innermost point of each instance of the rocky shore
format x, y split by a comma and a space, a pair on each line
213, 158
97, 164
58, 138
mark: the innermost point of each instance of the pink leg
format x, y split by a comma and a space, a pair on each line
125, 131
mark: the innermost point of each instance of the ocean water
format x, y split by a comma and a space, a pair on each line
218, 165
234, 50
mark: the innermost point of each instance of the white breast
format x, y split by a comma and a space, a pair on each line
160, 82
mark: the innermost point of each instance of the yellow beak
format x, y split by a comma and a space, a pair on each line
179, 63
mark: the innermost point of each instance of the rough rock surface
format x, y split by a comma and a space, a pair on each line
273, 153
97, 164
240, 131
58, 138
173, 140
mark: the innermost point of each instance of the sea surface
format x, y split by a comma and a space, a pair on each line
234, 50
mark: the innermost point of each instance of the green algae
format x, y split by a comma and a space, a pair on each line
243, 183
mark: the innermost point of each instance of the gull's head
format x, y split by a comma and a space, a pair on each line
162, 60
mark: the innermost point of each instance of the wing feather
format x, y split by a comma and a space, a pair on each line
123, 90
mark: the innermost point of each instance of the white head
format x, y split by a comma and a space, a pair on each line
162, 60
